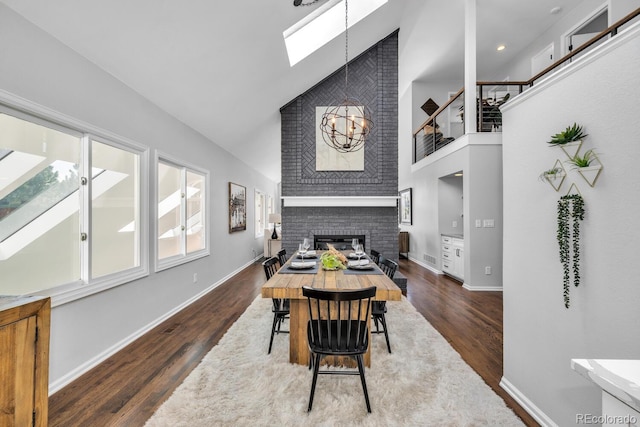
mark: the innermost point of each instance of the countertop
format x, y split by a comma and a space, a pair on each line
456, 236
620, 378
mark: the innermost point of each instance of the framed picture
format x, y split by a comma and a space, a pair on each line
237, 207
405, 206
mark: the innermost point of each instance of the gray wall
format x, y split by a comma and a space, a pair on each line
373, 79
40, 69
541, 336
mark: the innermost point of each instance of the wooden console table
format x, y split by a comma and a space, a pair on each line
24, 355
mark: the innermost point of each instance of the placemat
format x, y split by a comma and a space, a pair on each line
287, 270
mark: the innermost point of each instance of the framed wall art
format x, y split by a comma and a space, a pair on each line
405, 207
237, 207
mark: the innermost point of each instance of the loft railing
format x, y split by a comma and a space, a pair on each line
446, 124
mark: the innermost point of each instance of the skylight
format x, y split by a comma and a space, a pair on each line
324, 24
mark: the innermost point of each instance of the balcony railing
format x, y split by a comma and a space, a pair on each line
446, 124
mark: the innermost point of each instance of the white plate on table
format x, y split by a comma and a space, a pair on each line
302, 265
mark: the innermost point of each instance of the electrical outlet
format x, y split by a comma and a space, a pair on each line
487, 270
454, 224
195, 277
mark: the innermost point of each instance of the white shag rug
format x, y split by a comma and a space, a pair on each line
424, 382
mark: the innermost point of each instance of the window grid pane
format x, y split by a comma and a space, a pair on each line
39, 206
169, 211
115, 223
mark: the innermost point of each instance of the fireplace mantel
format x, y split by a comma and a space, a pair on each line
339, 201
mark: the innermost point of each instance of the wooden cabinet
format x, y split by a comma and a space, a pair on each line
453, 256
24, 361
403, 243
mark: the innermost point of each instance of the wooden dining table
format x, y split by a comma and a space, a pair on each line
288, 284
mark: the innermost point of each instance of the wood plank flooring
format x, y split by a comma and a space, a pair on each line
128, 387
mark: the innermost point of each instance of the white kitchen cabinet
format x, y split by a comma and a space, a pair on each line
453, 256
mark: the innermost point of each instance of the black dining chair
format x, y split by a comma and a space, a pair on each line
280, 307
282, 256
338, 327
375, 256
379, 308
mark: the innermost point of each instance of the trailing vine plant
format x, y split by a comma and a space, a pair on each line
570, 206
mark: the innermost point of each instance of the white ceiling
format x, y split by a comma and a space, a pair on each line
221, 66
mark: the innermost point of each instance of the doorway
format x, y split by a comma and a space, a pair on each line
585, 30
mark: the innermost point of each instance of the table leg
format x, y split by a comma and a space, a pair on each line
298, 348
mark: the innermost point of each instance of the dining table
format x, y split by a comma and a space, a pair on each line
288, 282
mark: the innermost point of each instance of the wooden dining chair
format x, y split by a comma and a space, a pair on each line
280, 306
379, 308
337, 326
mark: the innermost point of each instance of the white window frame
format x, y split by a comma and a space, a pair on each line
38, 114
183, 257
259, 231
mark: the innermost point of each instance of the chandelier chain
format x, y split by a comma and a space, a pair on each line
346, 48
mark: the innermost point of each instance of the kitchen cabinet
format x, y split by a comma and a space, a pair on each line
24, 360
452, 248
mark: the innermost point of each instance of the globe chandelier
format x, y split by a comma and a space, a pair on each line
345, 127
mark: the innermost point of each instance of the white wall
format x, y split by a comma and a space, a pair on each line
599, 91
521, 68
38, 68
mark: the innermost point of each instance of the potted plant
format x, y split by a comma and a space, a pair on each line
554, 176
570, 214
570, 139
570, 134
588, 165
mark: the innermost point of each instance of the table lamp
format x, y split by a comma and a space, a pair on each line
275, 218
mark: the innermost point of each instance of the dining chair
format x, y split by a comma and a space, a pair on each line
280, 306
379, 308
338, 327
282, 256
375, 256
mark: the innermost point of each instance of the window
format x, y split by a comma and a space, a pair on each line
182, 213
261, 213
64, 196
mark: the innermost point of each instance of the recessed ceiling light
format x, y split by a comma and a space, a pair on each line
501, 47
555, 10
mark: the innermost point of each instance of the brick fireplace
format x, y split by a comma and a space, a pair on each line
345, 203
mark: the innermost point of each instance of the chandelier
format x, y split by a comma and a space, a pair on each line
346, 126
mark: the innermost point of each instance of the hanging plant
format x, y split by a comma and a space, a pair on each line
570, 207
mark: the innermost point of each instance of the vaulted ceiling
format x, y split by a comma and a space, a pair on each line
222, 68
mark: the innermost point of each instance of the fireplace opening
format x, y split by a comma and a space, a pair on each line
341, 242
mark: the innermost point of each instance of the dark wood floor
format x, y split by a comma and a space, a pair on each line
127, 388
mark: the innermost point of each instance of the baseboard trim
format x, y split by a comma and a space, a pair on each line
95, 361
526, 404
482, 288
422, 264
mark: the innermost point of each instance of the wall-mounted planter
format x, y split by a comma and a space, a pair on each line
590, 173
555, 176
571, 148
588, 166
